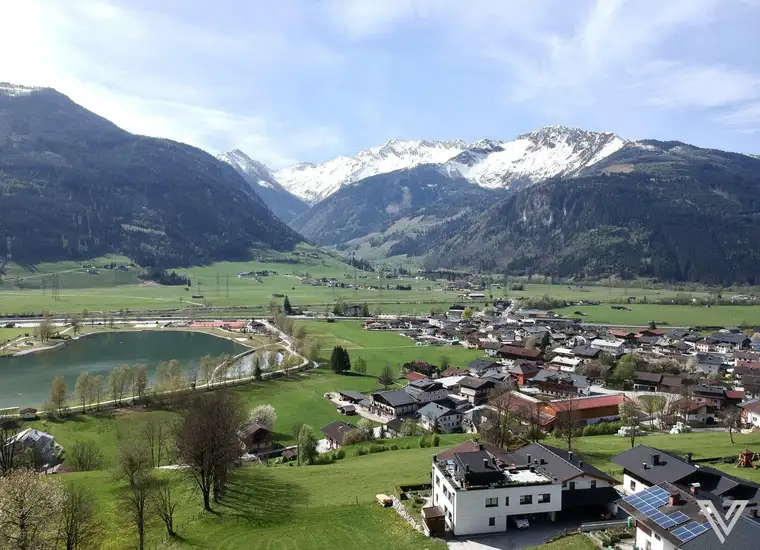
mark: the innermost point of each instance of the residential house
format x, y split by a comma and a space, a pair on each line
751, 412
480, 365
712, 395
392, 403
490, 348
454, 371
670, 384
560, 383
255, 436
522, 371
412, 376
668, 518
695, 410
393, 427
586, 352
515, 352
437, 418
566, 364
478, 492
353, 397
45, 449
646, 381
709, 364
336, 431
616, 348
425, 391
475, 390
347, 410
28, 413
645, 467
588, 410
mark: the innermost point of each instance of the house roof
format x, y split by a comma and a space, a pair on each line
524, 367
586, 351
394, 424
481, 364
577, 380
475, 383
734, 394
412, 376
434, 411
453, 371
561, 464
592, 402
671, 381
337, 430
520, 352
352, 395
669, 468
652, 377
253, 427
424, 384
581, 498
394, 398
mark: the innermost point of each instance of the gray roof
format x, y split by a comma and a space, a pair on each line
670, 468
577, 380
558, 462
434, 411
744, 536
481, 364
474, 383
586, 351
352, 395
337, 430
394, 398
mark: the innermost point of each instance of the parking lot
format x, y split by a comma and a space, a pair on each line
514, 539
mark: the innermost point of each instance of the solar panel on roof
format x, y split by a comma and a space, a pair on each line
690, 530
679, 517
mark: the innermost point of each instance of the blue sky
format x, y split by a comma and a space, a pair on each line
293, 80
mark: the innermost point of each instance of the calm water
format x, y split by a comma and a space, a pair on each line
25, 380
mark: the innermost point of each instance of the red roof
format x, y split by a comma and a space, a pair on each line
620, 333
520, 352
734, 394
454, 371
751, 364
596, 402
412, 376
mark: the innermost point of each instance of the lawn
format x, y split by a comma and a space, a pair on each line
381, 348
598, 450
284, 507
746, 473
574, 542
642, 314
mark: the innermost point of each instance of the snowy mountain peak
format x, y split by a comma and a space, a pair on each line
8, 89
256, 171
314, 182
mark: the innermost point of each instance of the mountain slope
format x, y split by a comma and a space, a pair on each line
314, 182
393, 210
74, 185
654, 209
284, 204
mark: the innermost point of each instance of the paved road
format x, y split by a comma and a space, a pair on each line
514, 539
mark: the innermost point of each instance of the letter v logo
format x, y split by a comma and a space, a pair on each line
716, 520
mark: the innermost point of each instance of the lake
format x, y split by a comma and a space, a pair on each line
25, 380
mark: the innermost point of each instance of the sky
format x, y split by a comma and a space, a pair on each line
308, 80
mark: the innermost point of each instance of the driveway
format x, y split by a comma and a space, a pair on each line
514, 539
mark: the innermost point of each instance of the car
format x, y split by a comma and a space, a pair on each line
521, 522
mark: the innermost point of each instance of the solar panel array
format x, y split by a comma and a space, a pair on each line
647, 502
690, 530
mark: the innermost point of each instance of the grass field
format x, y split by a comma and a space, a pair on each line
598, 450
642, 314
575, 542
321, 507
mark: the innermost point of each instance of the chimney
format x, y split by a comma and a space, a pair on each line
435, 458
580, 463
655, 460
695, 488
528, 458
481, 447
467, 468
688, 458
543, 461
570, 456
673, 499
645, 465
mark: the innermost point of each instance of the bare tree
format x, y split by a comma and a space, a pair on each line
10, 448
30, 505
208, 441
58, 393
76, 323
530, 414
207, 366
46, 328
567, 419
164, 502
141, 381
82, 389
128, 376
133, 465
502, 415
79, 528
116, 384
156, 435
732, 419
630, 417
649, 405
84, 456
98, 389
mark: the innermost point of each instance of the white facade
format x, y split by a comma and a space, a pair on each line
653, 541
632, 485
423, 397
614, 347
446, 424
477, 511
754, 418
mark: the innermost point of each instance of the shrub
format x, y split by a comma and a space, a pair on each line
333, 457
408, 446
361, 451
374, 448
353, 437
341, 454
436, 440
424, 442
394, 447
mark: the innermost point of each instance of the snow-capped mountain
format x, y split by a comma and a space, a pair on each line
529, 158
8, 89
533, 157
285, 205
314, 182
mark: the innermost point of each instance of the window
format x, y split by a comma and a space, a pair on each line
633, 485
526, 499
593, 484
564, 484
545, 497
491, 522
572, 485
657, 537
506, 501
491, 502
